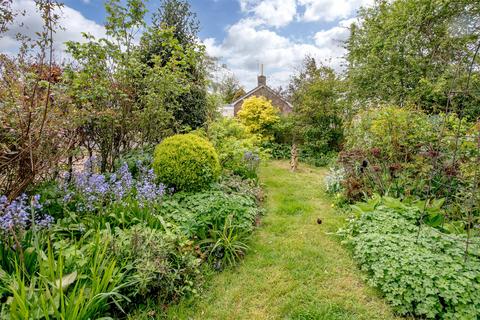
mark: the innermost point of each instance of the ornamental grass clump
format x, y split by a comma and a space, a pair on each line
186, 162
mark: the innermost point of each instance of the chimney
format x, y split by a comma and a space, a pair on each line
262, 80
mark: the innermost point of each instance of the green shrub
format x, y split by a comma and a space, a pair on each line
403, 152
221, 221
421, 272
237, 149
163, 264
186, 162
198, 213
397, 133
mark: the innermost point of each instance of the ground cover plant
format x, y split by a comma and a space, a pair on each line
421, 271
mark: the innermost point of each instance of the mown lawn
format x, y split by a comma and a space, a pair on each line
296, 268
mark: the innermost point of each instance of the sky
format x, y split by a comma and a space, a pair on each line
241, 33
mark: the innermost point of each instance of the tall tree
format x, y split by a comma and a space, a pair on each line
178, 15
415, 52
191, 108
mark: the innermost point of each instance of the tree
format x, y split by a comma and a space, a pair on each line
177, 14
318, 108
415, 52
259, 116
107, 104
190, 108
240, 93
230, 89
37, 130
132, 101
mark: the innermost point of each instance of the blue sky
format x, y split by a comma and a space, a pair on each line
241, 33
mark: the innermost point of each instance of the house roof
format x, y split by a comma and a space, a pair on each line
251, 92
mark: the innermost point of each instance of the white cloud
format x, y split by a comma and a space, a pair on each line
336, 35
276, 13
280, 13
72, 21
330, 10
247, 44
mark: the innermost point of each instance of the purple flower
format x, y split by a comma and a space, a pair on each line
92, 187
147, 189
45, 222
91, 164
15, 214
96, 189
18, 213
121, 182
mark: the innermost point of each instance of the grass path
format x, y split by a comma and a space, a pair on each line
294, 269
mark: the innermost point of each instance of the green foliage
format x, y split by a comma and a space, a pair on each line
199, 213
188, 110
238, 150
125, 252
177, 14
305, 154
397, 132
421, 271
225, 246
229, 89
60, 290
318, 108
221, 220
403, 152
162, 263
415, 51
186, 162
259, 116
136, 159
119, 238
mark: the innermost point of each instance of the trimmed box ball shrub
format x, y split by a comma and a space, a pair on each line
186, 162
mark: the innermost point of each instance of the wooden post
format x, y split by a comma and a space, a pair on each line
294, 158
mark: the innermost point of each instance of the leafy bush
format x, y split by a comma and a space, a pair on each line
305, 154
162, 264
399, 152
398, 133
233, 184
420, 270
259, 116
238, 150
225, 246
220, 220
186, 162
278, 150
198, 213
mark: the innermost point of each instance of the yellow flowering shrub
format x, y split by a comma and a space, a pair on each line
259, 116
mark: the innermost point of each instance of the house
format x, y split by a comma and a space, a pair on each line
262, 90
